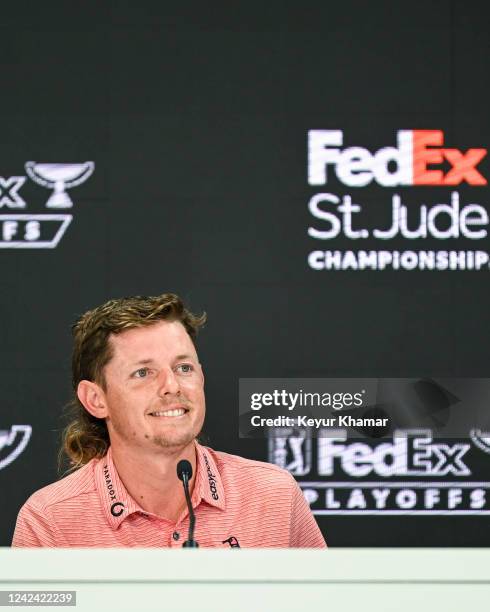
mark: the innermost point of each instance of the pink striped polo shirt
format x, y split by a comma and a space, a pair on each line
237, 502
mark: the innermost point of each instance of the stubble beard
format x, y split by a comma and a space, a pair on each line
175, 439
167, 442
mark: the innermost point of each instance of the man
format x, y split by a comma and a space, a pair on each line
139, 407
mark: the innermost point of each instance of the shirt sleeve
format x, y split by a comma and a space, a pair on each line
304, 530
35, 528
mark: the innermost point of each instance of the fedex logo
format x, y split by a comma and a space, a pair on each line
413, 161
412, 453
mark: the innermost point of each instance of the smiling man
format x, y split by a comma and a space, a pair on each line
139, 407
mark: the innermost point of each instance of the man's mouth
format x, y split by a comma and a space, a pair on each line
175, 412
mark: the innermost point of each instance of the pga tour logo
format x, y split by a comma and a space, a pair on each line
14, 441
413, 161
39, 231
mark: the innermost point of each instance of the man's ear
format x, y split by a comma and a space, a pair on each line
93, 398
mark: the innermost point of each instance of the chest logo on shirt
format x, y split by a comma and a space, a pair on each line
232, 541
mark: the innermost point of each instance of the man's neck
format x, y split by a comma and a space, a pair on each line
151, 478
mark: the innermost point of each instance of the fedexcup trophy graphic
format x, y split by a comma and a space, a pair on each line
7, 438
481, 439
39, 230
59, 177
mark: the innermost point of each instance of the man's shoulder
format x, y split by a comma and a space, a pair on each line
250, 468
64, 491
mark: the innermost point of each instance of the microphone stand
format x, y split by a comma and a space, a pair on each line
184, 472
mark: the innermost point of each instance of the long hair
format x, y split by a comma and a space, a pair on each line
86, 437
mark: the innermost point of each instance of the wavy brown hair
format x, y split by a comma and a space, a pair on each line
86, 437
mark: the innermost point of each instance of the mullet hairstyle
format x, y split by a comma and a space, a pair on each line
86, 437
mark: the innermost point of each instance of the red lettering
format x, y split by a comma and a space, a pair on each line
422, 157
464, 166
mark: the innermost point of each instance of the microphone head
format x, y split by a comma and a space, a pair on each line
184, 467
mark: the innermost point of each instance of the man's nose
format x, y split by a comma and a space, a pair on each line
168, 382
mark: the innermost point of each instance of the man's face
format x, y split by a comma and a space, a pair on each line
154, 387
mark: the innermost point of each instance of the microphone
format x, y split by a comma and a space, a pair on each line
184, 472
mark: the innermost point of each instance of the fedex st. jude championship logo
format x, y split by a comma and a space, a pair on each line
418, 158
20, 229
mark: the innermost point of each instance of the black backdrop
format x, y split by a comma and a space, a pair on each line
197, 118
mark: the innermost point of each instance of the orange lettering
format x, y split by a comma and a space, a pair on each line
464, 166
422, 156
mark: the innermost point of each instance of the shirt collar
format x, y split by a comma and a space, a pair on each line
208, 486
118, 504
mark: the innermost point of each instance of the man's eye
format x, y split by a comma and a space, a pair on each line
186, 368
141, 373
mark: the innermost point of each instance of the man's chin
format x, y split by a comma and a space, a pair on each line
173, 442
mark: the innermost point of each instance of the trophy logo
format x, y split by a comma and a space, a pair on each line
59, 177
481, 439
40, 230
17, 438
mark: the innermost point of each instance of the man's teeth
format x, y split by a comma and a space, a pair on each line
170, 413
